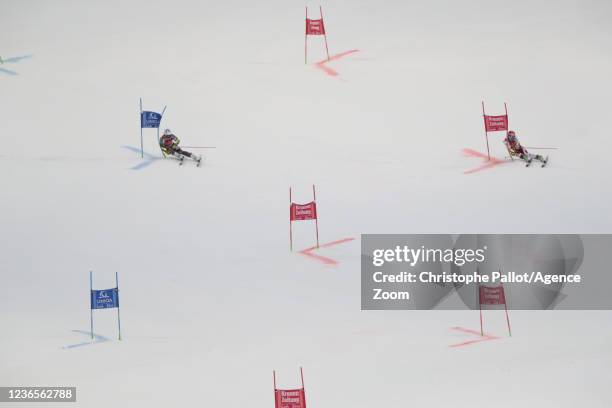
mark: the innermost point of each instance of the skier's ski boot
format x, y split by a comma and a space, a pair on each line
179, 157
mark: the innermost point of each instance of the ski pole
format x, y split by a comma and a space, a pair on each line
200, 147
542, 148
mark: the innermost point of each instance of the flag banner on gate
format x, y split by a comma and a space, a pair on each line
492, 296
300, 212
150, 119
104, 298
290, 398
315, 27
496, 123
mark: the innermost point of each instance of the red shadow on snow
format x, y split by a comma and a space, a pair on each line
481, 337
488, 163
329, 71
327, 261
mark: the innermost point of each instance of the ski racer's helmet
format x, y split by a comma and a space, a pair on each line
167, 132
511, 135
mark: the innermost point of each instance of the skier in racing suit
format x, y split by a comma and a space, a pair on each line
169, 144
515, 149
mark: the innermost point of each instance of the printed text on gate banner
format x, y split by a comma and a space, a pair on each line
496, 123
301, 212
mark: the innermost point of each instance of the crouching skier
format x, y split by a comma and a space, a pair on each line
169, 144
517, 150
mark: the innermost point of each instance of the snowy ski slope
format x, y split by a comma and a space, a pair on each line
211, 298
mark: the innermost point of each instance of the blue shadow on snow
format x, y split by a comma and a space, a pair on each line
97, 339
148, 158
12, 60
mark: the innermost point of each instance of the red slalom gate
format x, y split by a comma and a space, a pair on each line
494, 124
303, 212
491, 296
294, 398
314, 27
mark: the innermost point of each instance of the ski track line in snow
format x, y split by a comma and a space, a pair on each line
329, 71
488, 163
327, 261
481, 337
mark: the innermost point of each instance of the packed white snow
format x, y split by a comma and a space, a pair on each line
211, 298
